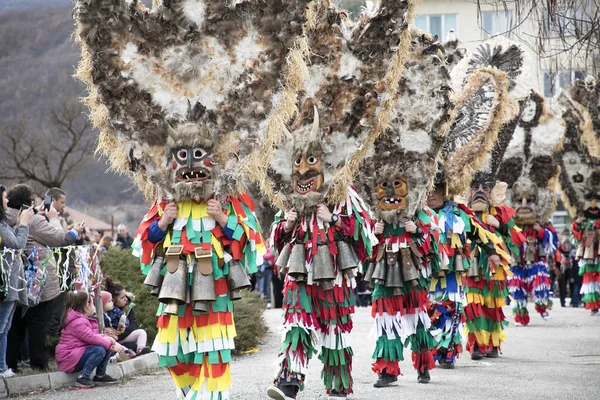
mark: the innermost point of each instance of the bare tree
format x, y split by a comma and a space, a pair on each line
563, 29
48, 156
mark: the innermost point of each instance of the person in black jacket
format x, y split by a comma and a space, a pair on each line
125, 324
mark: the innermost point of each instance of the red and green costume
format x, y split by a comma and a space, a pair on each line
585, 235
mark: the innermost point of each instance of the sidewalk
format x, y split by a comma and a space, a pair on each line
21, 385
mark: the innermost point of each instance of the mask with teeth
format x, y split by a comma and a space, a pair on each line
190, 163
391, 195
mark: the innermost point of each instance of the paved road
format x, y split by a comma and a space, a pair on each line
557, 359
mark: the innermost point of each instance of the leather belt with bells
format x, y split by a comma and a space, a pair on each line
390, 255
204, 260
172, 254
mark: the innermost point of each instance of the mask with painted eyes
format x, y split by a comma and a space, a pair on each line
191, 164
392, 195
307, 174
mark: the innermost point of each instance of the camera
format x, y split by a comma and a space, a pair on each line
26, 207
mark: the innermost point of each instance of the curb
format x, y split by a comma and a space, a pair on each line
21, 385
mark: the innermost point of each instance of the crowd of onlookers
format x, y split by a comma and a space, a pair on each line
32, 305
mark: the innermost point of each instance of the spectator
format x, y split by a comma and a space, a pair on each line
81, 347
266, 276
123, 320
105, 243
15, 285
59, 202
44, 231
124, 240
97, 236
563, 265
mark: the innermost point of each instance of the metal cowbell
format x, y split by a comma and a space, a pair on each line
237, 278
296, 264
473, 271
284, 256
459, 265
156, 290
322, 265
379, 272
409, 270
369, 273
201, 306
235, 295
346, 257
393, 278
154, 277
203, 286
174, 286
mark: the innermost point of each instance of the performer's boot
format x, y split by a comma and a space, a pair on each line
492, 353
476, 354
446, 364
385, 380
284, 390
335, 395
424, 376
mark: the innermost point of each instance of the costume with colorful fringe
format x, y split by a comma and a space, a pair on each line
401, 316
486, 292
458, 225
315, 316
196, 346
531, 277
585, 235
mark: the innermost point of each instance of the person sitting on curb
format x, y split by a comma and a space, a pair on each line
82, 347
122, 318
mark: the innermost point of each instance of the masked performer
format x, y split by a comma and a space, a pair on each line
172, 115
396, 178
343, 81
580, 182
531, 173
481, 106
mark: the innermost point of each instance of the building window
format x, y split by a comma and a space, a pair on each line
496, 22
553, 81
439, 24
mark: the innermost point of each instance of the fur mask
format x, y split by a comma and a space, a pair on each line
197, 66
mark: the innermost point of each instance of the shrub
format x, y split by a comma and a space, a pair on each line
123, 267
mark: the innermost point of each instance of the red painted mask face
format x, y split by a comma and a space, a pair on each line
191, 164
391, 195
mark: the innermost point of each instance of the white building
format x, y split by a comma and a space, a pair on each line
472, 26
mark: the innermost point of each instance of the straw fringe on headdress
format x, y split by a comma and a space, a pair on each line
481, 107
408, 150
350, 72
579, 165
528, 166
213, 64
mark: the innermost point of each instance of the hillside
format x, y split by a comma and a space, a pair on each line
37, 61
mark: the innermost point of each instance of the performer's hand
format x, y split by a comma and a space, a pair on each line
410, 227
580, 219
216, 212
169, 215
494, 260
379, 226
323, 213
491, 220
291, 217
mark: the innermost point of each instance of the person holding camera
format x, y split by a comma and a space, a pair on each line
45, 230
14, 285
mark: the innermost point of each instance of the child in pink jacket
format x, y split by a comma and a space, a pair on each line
81, 347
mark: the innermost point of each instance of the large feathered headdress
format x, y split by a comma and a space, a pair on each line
336, 101
179, 92
511, 58
528, 166
578, 159
402, 163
